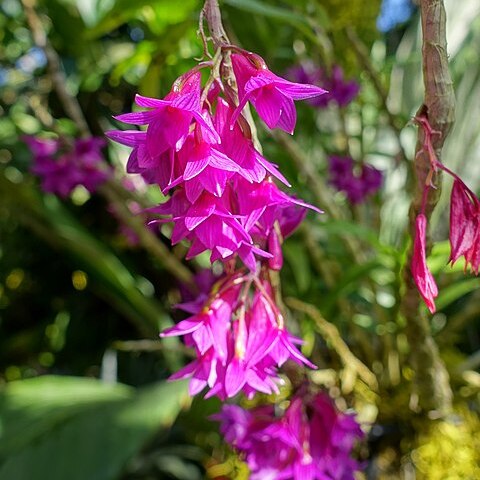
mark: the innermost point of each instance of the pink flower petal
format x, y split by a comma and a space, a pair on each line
151, 102
463, 225
235, 377
182, 328
268, 103
421, 274
130, 138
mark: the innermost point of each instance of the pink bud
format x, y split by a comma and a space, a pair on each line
275, 248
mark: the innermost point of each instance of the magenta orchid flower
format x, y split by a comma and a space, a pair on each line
311, 440
222, 198
205, 168
62, 166
272, 96
169, 120
240, 341
421, 274
241, 149
356, 187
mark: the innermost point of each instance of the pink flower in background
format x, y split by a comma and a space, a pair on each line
357, 186
42, 148
338, 90
310, 440
421, 274
271, 95
62, 167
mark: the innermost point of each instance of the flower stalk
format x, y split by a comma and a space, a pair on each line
431, 380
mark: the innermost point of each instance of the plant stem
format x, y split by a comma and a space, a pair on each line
364, 59
212, 13
147, 239
431, 379
331, 334
111, 191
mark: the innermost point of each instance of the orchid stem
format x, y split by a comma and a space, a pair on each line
331, 334
148, 240
364, 59
431, 377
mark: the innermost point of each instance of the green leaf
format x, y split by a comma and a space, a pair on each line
297, 257
438, 259
160, 14
349, 283
68, 26
261, 8
300, 22
93, 443
341, 227
99, 261
31, 407
455, 291
110, 277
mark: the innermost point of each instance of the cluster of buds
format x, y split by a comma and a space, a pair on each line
64, 164
198, 148
464, 225
310, 440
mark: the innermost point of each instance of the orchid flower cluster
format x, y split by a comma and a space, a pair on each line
464, 233
64, 164
310, 440
198, 148
357, 186
240, 338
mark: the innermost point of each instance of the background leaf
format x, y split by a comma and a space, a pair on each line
96, 436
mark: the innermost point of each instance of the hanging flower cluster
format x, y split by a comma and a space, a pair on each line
222, 193
239, 336
357, 186
63, 165
464, 226
310, 440
198, 148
